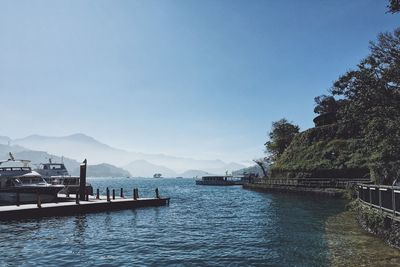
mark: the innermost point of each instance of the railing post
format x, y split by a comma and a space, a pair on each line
122, 193
370, 195
134, 193
380, 197
108, 195
113, 194
393, 201
98, 193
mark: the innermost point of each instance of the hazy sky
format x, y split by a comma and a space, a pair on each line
203, 79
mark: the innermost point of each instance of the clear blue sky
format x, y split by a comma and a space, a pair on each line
203, 79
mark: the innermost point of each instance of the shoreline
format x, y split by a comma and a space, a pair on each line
323, 192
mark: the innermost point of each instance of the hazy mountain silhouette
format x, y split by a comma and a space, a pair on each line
37, 157
80, 146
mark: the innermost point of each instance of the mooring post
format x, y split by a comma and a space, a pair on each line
77, 197
87, 194
122, 193
17, 198
113, 192
98, 193
157, 193
39, 201
108, 194
82, 180
137, 192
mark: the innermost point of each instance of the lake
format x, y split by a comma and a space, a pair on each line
202, 226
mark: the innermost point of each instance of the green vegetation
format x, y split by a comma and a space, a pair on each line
320, 152
357, 131
281, 136
372, 218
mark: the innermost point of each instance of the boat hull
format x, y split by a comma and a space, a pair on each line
219, 183
26, 195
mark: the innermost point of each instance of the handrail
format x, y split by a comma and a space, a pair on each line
316, 182
383, 197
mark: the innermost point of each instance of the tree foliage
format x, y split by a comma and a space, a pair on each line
394, 6
282, 133
371, 103
325, 104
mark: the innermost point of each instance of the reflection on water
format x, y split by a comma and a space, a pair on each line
203, 226
349, 245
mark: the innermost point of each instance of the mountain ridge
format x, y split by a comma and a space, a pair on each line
98, 152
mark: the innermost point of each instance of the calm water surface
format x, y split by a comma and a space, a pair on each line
203, 226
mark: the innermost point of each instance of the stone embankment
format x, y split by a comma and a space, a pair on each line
326, 192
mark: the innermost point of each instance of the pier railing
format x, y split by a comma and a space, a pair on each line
385, 198
316, 182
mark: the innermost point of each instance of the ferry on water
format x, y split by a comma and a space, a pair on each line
57, 174
19, 184
220, 180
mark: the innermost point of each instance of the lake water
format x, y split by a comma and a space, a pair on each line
203, 226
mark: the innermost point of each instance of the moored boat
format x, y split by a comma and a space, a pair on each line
220, 180
57, 174
19, 184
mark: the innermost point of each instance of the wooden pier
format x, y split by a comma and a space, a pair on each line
72, 205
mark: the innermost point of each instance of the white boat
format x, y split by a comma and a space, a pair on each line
19, 184
57, 174
220, 180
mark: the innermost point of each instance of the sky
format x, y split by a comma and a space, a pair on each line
200, 79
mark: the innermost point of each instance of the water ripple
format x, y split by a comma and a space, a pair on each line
203, 226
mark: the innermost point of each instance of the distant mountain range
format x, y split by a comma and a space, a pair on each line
77, 147
37, 157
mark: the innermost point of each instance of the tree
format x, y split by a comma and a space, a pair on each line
394, 6
371, 109
261, 162
325, 104
281, 135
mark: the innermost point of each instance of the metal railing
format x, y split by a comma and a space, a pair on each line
317, 182
383, 197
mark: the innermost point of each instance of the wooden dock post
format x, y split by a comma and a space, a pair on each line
113, 194
77, 197
122, 193
157, 193
98, 193
39, 201
135, 194
82, 180
108, 194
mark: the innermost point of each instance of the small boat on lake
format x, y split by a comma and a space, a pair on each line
57, 174
220, 180
19, 184
157, 175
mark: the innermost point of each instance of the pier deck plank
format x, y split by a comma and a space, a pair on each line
69, 207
